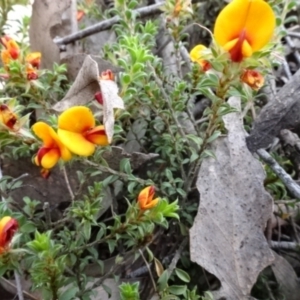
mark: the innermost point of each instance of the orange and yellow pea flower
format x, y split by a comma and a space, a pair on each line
8, 117
145, 198
107, 75
31, 72
196, 55
34, 59
253, 78
77, 131
11, 49
243, 27
8, 227
80, 14
52, 150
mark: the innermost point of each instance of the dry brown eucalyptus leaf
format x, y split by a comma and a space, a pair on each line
286, 277
158, 267
83, 90
227, 236
84, 87
45, 19
111, 100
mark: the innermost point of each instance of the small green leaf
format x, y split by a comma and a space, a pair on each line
111, 245
150, 254
69, 293
214, 136
125, 166
86, 230
177, 289
107, 289
184, 276
126, 79
28, 227
163, 280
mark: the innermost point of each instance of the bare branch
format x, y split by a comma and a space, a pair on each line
290, 184
106, 24
8, 282
285, 245
19, 286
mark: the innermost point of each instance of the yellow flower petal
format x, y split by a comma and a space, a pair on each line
36, 160
254, 16
246, 49
151, 204
229, 45
97, 136
76, 142
196, 53
5, 57
13, 49
34, 58
8, 227
145, 198
51, 158
76, 119
3, 223
64, 151
50, 139
42, 130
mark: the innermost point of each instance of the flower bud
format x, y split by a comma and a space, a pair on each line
8, 227
145, 198
253, 78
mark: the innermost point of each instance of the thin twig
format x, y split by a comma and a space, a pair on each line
202, 120
113, 270
285, 245
177, 256
286, 69
107, 24
269, 230
290, 184
149, 270
269, 290
291, 219
287, 202
185, 55
294, 34
47, 214
292, 45
19, 286
68, 182
124, 176
8, 282
3, 195
18, 178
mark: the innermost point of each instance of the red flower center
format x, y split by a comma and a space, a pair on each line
236, 52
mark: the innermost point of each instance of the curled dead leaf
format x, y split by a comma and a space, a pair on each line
84, 88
